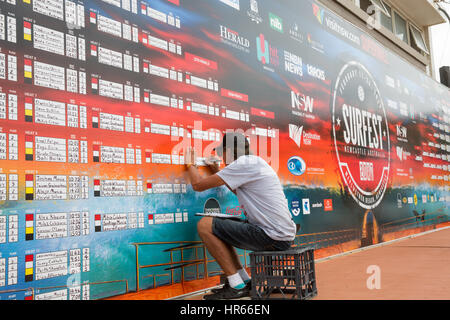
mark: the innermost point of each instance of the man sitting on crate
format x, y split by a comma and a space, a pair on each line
269, 225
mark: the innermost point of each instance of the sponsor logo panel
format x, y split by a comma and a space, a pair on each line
306, 206
295, 204
253, 12
334, 25
276, 23
296, 166
232, 3
315, 44
295, 33
302, 105
266, 54
300, 136
293, 63
328, 205
295, 133
315, 72
234, 39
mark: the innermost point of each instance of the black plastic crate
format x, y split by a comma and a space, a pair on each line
283, 275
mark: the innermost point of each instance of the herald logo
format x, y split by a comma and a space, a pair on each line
234, 37
295, 133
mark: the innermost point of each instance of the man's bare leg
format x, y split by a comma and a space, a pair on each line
224, 254
236, 260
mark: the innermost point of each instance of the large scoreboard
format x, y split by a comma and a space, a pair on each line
99, 100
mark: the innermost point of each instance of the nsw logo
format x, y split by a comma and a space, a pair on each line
302, 105
402, 133
296, 166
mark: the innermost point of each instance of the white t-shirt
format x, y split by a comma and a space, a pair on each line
260, 193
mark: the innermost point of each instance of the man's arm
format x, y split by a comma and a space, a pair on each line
200, 183
214, 168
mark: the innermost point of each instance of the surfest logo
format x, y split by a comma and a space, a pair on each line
234, 39
361, 135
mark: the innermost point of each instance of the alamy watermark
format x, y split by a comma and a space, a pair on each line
374, 280
266, 145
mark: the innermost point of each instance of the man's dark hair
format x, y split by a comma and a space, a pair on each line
235, 142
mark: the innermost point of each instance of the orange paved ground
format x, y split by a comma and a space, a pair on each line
417, 268
167, 292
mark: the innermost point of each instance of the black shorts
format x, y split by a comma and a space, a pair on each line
244, 235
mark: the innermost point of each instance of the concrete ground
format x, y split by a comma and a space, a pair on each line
411, 269
416, 268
